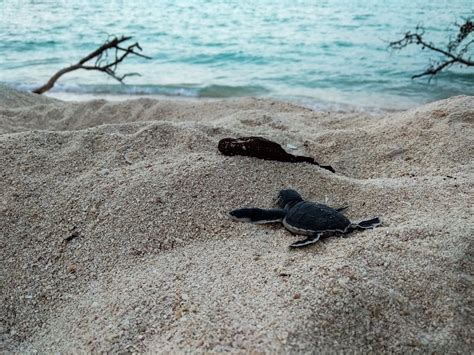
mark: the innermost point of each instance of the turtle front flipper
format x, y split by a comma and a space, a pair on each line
258, 215
308, 241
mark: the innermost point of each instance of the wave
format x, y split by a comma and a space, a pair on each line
74, 92
186, 90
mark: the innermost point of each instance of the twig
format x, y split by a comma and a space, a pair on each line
453, 54
102, 62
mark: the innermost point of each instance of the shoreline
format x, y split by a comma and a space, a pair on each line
302, 102
335, 105
115, 235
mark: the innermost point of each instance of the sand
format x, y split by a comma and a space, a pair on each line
114, 234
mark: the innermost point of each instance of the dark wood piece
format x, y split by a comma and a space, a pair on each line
262, 148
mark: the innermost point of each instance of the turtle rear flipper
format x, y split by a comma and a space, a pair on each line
258, 215
305, 242
368, 224
341, 209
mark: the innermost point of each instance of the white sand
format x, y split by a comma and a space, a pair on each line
156, 265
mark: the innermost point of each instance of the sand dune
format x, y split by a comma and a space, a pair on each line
114, 233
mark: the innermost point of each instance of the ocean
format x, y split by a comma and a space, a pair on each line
322, 54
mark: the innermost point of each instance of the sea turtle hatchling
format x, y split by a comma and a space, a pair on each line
303, 217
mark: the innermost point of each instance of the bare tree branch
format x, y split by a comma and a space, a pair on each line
433, 70
102, 62
453, 54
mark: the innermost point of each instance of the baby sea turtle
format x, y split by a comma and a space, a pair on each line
303, 217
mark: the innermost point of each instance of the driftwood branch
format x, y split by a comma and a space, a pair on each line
102, 63
262, 148
455, 52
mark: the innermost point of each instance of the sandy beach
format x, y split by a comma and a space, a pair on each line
115, 235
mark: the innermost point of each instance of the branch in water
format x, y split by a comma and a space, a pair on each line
102, 62
455, 53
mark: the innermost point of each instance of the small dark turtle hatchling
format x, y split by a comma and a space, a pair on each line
303, 217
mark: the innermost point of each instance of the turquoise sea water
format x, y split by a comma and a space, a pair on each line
320, 53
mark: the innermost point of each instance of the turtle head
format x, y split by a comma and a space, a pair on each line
288, 198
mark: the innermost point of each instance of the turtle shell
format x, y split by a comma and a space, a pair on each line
309, 217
